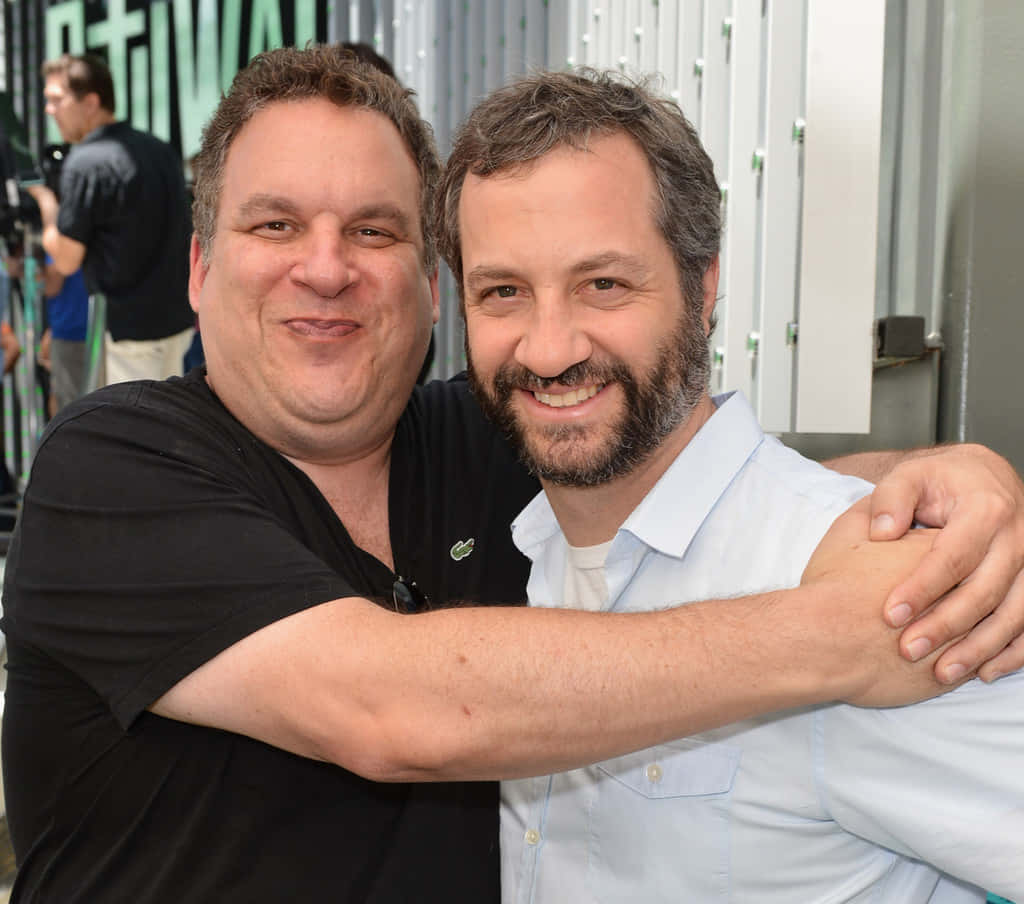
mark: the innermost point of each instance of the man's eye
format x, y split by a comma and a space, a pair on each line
504, 291
604, 284
372, 237
275, 226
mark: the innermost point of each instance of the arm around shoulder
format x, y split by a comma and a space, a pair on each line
484, 693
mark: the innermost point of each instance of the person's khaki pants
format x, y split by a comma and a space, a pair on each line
151, 359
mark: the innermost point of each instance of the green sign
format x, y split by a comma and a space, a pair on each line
171, 59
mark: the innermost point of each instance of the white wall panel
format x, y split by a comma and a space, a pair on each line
553, 17
716, 84
689, 51
741, 205
664, 42
601, 31
780, 212
648, 41
514, 36
840, 215
716, 75
537, 38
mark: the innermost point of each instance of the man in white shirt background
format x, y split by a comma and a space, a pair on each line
581, 218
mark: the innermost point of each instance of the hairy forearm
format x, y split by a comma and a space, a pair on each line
873, 466
510, 693
499, 693
543, 690
478, 693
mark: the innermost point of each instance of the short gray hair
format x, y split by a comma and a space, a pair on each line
321, 71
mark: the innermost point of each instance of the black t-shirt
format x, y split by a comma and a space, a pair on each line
123, 197
155, 532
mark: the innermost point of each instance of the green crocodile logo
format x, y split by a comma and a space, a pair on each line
462, 549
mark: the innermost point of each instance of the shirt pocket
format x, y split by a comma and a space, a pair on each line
663, 814
685, 768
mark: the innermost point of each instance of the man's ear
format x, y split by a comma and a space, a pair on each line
710, 294
196, 273
92, 102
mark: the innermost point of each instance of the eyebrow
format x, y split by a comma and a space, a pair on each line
266, 203
610, 259
488, 274
385, 211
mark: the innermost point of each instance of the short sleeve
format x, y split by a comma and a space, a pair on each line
79, 200
136, 560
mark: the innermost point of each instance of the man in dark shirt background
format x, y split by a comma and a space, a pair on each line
123, 216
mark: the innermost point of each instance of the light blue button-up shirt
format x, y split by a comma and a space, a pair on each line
825, 804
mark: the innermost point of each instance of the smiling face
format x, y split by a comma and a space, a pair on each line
580, 341
315, 304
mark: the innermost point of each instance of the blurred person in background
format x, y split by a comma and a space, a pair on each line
62, 348
122, 218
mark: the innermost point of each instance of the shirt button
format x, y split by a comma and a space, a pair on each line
654, 773
532, 836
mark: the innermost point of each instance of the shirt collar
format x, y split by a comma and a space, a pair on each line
534, 526
670, 515
101, 131
672, 512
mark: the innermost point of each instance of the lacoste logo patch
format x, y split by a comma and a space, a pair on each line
462, 548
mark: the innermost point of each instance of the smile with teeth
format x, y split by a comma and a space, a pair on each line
570, 398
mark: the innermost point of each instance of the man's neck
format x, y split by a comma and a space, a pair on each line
357, 490
102, 118
592, 515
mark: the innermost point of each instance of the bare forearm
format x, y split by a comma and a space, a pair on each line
50, 240
67, 253
543, 690
506, 692
515, 692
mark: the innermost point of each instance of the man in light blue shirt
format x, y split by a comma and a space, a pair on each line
581, 216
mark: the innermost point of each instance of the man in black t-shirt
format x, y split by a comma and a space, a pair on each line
238, 666
123, 217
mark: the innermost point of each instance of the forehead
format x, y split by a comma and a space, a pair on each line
614, 165
315, 151
606, 190
56, 83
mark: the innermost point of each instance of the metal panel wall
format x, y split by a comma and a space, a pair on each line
781, 185
842, 165
737, 336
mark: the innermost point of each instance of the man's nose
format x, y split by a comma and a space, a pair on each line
326, 263
552, 340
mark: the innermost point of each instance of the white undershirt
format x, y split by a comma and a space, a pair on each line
585, 584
